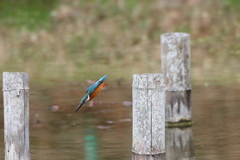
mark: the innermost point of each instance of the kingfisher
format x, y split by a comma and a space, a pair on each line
92, 91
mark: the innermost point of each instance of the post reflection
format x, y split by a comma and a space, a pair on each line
179, 144
90, 145
90, 138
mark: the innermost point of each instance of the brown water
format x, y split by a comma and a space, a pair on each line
104, 131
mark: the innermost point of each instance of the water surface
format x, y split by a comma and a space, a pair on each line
104, 131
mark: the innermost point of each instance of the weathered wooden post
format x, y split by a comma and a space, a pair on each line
16, 116
175, 55
148, 96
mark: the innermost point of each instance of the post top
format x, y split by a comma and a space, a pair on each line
149, 74
15, 81
148, 80
175, 34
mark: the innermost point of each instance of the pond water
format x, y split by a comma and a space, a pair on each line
104, 131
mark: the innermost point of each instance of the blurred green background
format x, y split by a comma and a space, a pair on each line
71, 40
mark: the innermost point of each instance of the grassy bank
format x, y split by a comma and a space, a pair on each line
74, 40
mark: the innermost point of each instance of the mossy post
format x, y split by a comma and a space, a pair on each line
148, 96
16, 116
175, 55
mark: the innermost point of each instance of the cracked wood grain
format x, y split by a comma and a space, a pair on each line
148, 114
16, 116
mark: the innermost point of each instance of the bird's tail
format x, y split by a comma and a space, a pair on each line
80, 105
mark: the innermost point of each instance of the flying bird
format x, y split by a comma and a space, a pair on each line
92, 91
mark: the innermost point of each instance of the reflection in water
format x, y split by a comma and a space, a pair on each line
179, 144
90, 137
90, 145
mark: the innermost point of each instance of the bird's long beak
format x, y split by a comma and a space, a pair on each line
80, 105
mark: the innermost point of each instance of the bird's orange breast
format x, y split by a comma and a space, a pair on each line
96, 91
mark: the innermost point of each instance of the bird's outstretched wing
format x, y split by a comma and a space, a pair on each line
92, 88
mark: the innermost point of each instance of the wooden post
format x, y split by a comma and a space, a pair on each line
179, 143
175, 55
148, 96
16, 116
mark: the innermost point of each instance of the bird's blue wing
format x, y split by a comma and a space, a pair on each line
96, 84
103, 78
